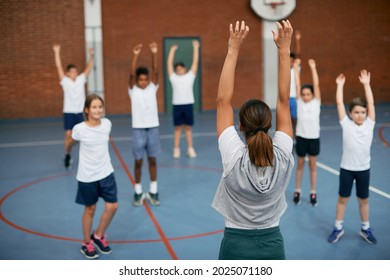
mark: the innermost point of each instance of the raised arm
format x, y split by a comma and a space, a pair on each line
316, 80
297, 76
171, 56
340, 81
90, 62
365, 80
283, 41
57, 58
298, 37
225, 115
195, 56
154, 49
133, 67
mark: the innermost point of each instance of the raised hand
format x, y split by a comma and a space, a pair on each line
195, 44
237, 36
153, 47
56, 47
312, 63
91, 51
340, 80
137, 49
282, 39
364, 77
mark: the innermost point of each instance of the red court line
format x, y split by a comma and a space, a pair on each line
147, 208
380, 133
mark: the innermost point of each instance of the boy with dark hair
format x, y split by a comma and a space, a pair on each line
145, 123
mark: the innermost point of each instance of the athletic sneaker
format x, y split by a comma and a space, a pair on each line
153, 198
67, 161
313, 199
176, 153
191, 152
88, 250
297, 198
335, 235
138, 199
101, 244
368, 235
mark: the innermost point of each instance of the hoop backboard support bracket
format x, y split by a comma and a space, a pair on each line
273, 10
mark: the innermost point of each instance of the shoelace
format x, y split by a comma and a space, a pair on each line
90, 247
104, 241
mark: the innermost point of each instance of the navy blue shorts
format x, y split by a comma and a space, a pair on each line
89, 193
183, 114
362, 181
309, 147
146, 139
70, 120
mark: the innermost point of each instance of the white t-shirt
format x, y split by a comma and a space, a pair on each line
357, 141
293, 84
144, 108
183, 88
74, 93
308, 123
94, 158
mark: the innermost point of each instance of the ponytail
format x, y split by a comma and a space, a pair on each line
260, 149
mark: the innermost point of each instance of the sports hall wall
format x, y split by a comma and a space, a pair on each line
342, 36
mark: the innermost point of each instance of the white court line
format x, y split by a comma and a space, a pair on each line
337, 173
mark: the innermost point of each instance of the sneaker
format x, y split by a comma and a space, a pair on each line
368, 235
67, 161
101, 244
335, 235
313, 199
88, 250
139, 199
191, 153
297, 198
176, 153
153, 198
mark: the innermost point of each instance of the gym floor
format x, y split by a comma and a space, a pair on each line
39, 219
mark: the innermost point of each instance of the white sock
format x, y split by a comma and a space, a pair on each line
153, 187
365, 225
339, 224
138, 188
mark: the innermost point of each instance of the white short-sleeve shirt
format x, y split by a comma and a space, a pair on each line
183, 88
144, 108
74, 93
94, 158
308, 123
357, 141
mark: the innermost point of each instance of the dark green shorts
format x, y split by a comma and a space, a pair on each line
257, 244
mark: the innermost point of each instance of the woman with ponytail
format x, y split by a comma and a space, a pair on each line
256, 172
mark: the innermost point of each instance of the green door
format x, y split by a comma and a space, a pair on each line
183, 54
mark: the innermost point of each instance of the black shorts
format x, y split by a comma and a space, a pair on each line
70, 120
362, 181
183, 114
309, 147
89, 193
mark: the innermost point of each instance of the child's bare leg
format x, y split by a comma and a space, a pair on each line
298, 179
87, 220
177, 135
152, 169
138, 170
106, 218
188, 131
364, 209
341, 208
313, 173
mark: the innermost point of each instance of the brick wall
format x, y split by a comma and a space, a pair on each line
342, 36
29, 84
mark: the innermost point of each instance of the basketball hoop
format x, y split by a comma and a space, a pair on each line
273, 10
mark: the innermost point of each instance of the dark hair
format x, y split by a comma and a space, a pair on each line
357, 101
256, 120
309, 86
179, 63
70, 66
292, 55
141, 71
88, 102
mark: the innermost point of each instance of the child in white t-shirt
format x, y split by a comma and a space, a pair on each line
145, 123
183, 98
355, 161
95, 175
307, 130
73, 86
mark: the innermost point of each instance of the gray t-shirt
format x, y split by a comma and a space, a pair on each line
251, 197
